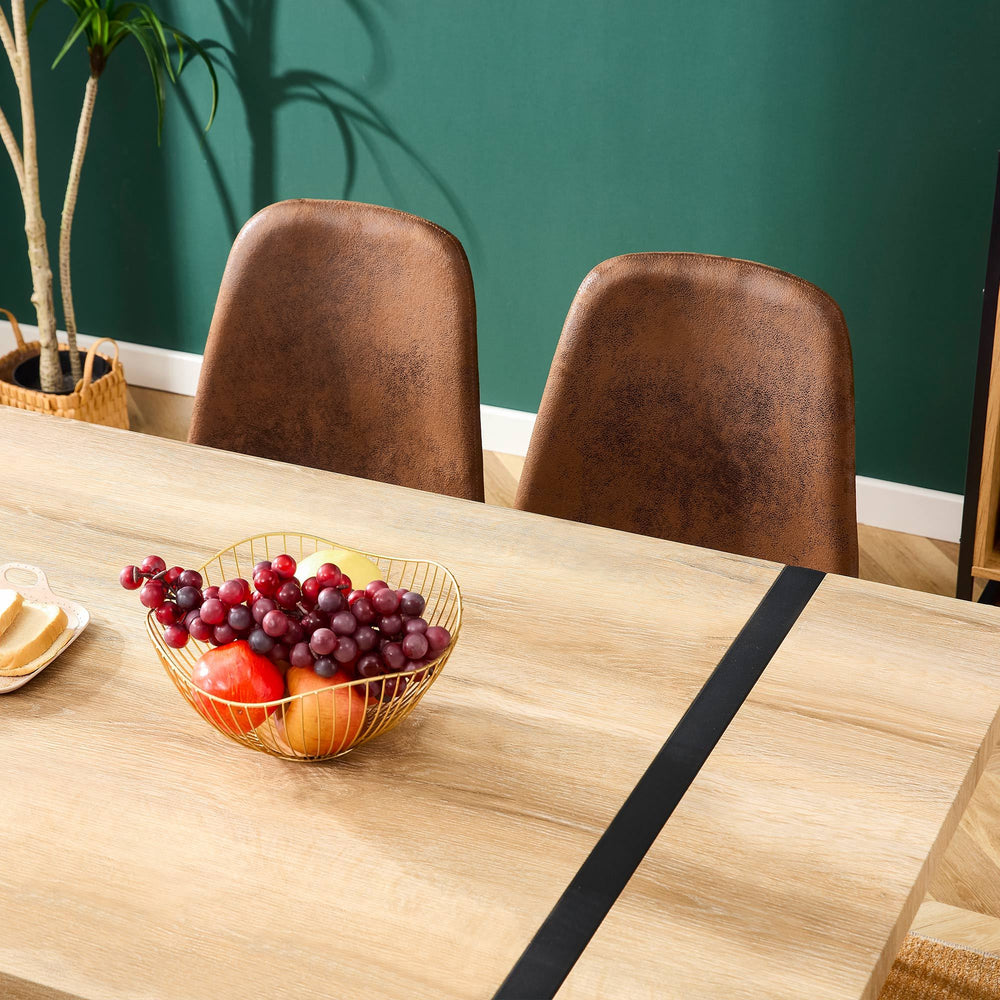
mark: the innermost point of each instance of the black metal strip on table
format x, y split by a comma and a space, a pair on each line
567, 930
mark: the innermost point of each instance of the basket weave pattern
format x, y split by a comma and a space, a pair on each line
104, 401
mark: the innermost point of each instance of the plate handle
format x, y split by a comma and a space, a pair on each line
40, 578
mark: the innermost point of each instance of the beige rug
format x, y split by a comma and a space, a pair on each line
931, 970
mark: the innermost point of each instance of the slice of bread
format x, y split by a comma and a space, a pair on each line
34, 630
10, 607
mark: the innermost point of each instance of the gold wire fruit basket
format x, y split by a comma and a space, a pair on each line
330, 721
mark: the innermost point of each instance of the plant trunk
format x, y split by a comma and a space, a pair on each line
65, 232
13, 150
34, 222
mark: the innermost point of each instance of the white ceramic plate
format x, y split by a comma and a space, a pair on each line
77, 618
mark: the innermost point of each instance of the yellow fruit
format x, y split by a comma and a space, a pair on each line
360, 569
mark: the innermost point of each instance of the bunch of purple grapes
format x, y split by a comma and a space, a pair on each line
322, 623
174, 595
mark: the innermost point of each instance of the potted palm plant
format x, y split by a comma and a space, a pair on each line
42, 376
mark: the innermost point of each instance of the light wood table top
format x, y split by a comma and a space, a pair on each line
145, 856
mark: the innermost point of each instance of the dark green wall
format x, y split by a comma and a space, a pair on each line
853, 143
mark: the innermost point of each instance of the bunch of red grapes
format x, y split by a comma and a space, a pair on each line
322, 623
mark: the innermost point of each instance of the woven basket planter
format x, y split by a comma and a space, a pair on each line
104, 401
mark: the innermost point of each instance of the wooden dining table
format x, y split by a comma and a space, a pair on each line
647, 770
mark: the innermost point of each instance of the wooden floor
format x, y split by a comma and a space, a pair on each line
963, 901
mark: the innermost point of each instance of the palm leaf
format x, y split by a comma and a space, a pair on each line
106, 26
78, 29
117, 33
149, 18
179, 42
152, 57
199, 50
35, 11
99, 28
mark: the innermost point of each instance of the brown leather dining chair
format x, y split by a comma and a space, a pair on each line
705, 400
344, 338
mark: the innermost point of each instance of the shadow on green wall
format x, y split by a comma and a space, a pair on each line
248, 57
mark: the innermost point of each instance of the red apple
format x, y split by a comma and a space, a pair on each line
236, 673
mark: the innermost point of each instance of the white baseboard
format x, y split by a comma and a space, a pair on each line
156, 367
913, 509
883, 504
506, 431
153, 367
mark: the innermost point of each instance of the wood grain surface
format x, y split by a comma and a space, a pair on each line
969, 873
146, 856
957, 926
838, 781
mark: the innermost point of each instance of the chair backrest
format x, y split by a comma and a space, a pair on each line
344, 338
705, 400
